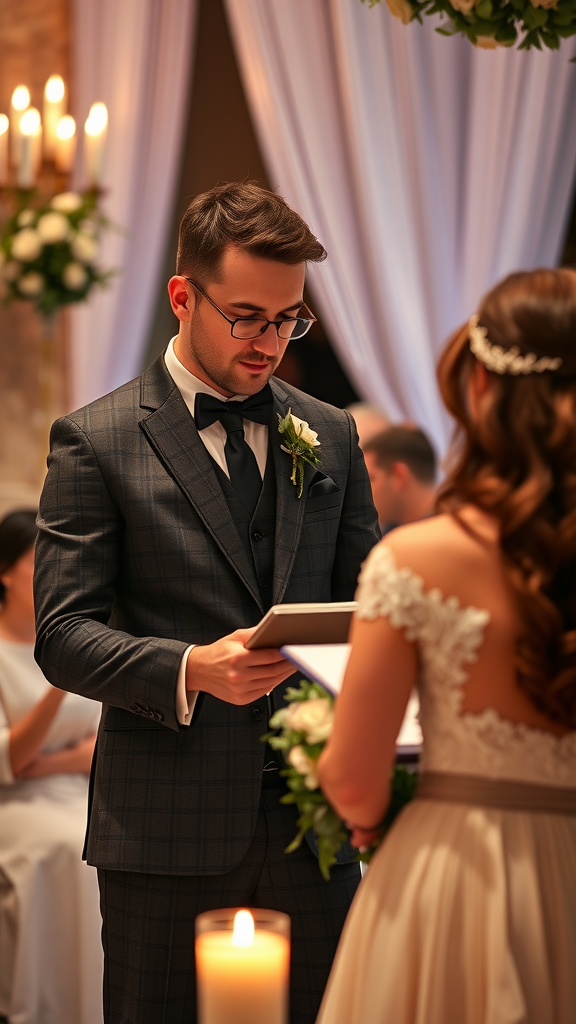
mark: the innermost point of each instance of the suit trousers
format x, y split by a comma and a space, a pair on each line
148, 923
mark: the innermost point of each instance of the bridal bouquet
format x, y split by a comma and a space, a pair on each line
302, 730
491, 23
49, 251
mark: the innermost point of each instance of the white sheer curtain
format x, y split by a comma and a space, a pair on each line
429, 169
136, 56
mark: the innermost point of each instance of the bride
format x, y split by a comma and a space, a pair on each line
467, 914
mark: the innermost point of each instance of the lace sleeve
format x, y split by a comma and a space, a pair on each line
397, 594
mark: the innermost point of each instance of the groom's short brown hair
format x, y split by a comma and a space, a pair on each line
249, 217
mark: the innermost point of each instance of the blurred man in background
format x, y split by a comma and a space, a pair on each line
401, 463
369, 421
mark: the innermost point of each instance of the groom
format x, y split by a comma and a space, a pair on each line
168, 526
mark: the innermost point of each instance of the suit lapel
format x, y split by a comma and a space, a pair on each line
289, 508
170, 430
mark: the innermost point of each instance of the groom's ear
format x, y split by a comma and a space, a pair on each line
182, 297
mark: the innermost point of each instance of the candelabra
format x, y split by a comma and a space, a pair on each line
35, 145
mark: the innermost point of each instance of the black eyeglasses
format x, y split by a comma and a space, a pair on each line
247, 328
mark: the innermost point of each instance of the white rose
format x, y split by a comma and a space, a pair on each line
314, 717
31, 284
66, 202
53, 227
84, 247
303, 764
11, 270
26, 245
304, 431
401, 9
74, 276
25, 219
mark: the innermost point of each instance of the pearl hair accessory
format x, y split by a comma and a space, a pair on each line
502, 360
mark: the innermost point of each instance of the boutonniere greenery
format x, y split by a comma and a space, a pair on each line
300, 732
300, 441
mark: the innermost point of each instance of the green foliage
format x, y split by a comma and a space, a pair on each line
501, 22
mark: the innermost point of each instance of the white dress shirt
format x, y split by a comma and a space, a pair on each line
214, 439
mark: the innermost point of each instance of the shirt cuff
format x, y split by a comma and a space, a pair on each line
185, 699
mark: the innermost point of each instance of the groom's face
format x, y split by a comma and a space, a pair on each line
246, 286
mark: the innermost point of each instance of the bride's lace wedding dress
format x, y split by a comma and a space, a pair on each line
467, 914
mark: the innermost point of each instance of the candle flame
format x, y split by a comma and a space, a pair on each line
97, 119
30, 122
66, 127
243, 934
54, 89
4, 122
20, 98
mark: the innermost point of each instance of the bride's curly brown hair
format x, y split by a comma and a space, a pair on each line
515, 458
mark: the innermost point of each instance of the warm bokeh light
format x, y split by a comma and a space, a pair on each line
30, 122
66, 127
54, 89
4, 123
97, 119
243, 933
20, 98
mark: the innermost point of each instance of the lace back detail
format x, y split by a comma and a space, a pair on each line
449, 638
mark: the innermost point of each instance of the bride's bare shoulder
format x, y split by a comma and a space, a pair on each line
444, 550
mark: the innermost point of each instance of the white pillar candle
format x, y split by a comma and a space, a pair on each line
53, 110
65, 143
30, 135
242, 964
19, 103
95, 130
4, 124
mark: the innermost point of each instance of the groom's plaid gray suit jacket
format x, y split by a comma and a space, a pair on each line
138, 556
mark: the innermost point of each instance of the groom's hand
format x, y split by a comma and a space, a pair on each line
226, 670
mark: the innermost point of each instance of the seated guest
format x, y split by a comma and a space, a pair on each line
369, 421
50, 956
401, 465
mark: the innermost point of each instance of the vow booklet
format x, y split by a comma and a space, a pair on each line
326, 664
304, 624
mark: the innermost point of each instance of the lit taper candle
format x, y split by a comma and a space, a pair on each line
95, 130
53, 110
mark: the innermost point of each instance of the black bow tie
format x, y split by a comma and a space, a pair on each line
258, 407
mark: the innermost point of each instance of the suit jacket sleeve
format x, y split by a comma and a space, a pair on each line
359, 531
77, 562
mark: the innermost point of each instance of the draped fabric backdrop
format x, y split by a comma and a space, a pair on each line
428, 168
136, 56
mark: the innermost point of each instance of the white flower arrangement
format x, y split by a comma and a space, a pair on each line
492, 23
299, 442
300, 732
48, 251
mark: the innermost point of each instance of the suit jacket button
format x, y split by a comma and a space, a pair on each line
257, 535
257, 714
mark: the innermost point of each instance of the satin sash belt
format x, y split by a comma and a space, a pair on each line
504, 794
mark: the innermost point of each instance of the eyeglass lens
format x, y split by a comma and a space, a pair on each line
250, 329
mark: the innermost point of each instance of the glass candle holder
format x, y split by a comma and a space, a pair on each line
242, 966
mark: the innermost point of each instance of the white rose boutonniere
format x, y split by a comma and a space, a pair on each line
299, 442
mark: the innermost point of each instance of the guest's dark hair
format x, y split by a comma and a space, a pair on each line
515, 458
18, 533
244, 215
408, 445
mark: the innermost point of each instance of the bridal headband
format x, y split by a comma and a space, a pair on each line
502, 360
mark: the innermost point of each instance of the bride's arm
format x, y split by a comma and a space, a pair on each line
354, 769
